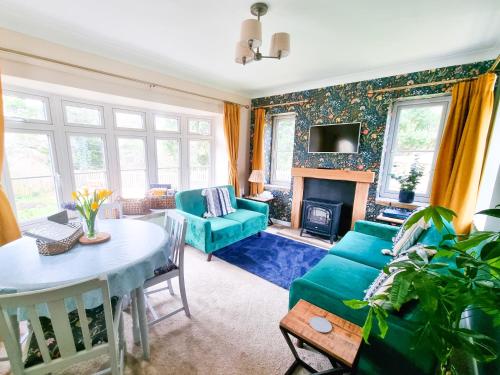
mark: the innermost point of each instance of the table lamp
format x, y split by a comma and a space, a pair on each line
257, 176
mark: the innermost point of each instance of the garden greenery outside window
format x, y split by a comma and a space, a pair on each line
414, 136
57, 144
282, 150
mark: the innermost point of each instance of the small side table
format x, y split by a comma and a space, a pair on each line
262, 200
341, 345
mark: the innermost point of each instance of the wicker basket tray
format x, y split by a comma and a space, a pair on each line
59, 247
161, 202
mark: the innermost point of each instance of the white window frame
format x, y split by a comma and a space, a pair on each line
273, 180
391, 136
120, 169
61, 131
179, 166
23, 94
132, 111
211, 161
82, 105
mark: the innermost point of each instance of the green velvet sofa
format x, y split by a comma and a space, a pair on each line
344, 274
211, 234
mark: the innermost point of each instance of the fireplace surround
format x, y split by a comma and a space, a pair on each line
362, 180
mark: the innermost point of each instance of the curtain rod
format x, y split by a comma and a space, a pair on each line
114, 75
443, 82
282, 104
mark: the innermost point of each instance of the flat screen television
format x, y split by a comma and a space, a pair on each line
341, 138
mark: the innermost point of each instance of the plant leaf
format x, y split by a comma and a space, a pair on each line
490, 251
445, 213
416, 217
495, 212
399, 290
367, 327
355, 304
383, 327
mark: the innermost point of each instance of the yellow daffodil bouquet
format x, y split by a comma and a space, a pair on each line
87, 204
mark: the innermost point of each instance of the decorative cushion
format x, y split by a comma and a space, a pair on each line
406, 237
97, 328
170, 266
218, 202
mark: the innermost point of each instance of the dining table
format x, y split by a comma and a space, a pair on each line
136, 248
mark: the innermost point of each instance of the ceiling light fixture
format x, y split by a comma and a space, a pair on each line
248, 48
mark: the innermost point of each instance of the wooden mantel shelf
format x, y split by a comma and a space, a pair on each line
334, 174
363, 179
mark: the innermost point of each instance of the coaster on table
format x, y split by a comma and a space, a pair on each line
320, 324
99, 237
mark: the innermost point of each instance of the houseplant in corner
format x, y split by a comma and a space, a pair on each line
408, 183
463, 277
87, 204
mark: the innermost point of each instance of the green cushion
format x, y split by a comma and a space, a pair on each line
223, 228
248, 219
97, 328
363, 248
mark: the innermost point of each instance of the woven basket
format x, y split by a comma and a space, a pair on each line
161, 202
134, 206
59, 247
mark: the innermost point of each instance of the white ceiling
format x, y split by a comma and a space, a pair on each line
331, 41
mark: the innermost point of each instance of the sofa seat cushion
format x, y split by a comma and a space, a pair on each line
363, 248
249, 220
223, 228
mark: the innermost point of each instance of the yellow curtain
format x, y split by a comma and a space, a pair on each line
232, 133
258, 148
9, 230
463, 149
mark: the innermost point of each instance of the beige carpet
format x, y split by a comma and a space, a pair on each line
233, 329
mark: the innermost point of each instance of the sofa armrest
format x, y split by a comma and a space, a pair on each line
248, 204
383, 231
198, 231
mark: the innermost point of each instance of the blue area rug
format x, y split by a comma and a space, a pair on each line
277, 259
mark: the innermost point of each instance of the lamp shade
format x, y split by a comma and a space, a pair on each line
257, 176
280, 42
251, 33
243, 54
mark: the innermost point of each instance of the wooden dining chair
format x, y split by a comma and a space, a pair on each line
54, 339
112, 210
175, 226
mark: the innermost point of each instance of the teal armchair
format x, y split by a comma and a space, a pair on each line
211, 234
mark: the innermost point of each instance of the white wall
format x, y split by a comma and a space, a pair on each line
15, 69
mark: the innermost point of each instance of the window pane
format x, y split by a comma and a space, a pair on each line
418, 128
29, 159
199, 127
283, 142
133, 183
199, 163
168, 124
416, 132
167, 151
34, 197
82, 115
132, 153
89, 162
129, 120
25, 107
28, 154
132, 156
285, 135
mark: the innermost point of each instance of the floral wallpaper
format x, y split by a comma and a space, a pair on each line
350, 102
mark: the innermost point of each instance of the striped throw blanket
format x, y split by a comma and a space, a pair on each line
218, 202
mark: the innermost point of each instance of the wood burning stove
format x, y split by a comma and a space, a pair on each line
321, 217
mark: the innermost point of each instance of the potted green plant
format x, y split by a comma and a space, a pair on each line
409, 182
464, 278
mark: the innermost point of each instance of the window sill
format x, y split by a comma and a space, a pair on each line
395, 203
276, 187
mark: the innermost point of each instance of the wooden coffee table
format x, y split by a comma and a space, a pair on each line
341, 345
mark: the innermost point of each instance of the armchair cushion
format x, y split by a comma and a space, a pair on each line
382, 231
363, 248
223, 228
248, 219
